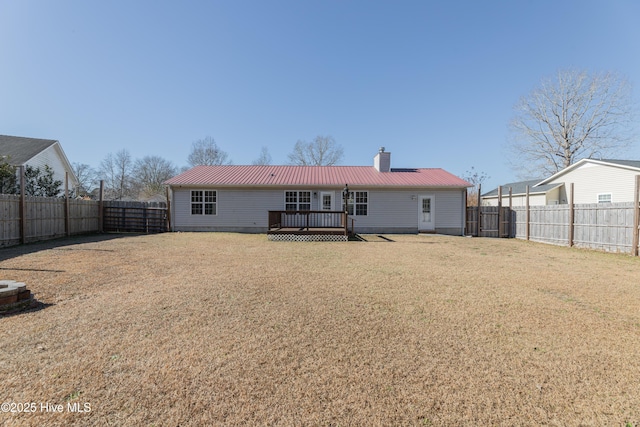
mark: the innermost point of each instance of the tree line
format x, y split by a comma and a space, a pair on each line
142, 179
126, 178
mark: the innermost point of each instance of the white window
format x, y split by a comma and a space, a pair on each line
604, 198
297, 200
426, 209
358, 203
204, 202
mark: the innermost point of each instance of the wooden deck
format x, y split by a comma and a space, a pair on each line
309, 223
311, 230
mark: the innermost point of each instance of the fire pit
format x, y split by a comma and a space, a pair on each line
13, 296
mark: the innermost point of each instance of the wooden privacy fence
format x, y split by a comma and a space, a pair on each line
135, 217
45, 218
30, 219
612, 227
488, 221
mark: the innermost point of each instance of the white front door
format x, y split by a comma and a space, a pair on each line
426, 212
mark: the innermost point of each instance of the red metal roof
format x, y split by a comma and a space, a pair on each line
232, 175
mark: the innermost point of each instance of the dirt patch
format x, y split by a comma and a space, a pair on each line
227, 329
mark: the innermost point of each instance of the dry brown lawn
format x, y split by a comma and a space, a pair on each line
196, 329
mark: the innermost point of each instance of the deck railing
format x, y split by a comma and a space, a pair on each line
308, 220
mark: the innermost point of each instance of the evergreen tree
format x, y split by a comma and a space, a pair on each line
41, 183
8, 180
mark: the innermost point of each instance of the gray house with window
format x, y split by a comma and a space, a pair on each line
381, 199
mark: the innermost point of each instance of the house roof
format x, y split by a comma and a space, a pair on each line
20, 149
625, 164
232, 175
521, 188
630, 163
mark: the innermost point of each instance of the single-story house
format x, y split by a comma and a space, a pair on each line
594, 181
380, 199
35, 152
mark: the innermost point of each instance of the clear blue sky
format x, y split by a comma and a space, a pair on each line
432, 81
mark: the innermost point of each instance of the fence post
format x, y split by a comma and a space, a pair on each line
465, 205
479, 212
527, 215
636, 217
571, 215
499, 210
101, 208
23, 207
67, 213
511, 212
169, 210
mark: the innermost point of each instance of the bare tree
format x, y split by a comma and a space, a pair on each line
322, 151
206, 152
87, 178
150, 172
572, 116
264, 159
476, 178
116, 171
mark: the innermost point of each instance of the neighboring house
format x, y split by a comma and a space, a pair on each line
383, 200
538, 194
37, 153
594, 181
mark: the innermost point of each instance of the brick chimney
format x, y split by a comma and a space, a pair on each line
382, 161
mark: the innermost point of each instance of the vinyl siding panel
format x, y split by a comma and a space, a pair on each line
592, 179
388, 210
449, 209
397, 211
51, 158
521, 199
237, 210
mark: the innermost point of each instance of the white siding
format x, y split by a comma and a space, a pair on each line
397, 211
517, 200
449, 209
388, 211
237, 210
592, 179
51, 157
